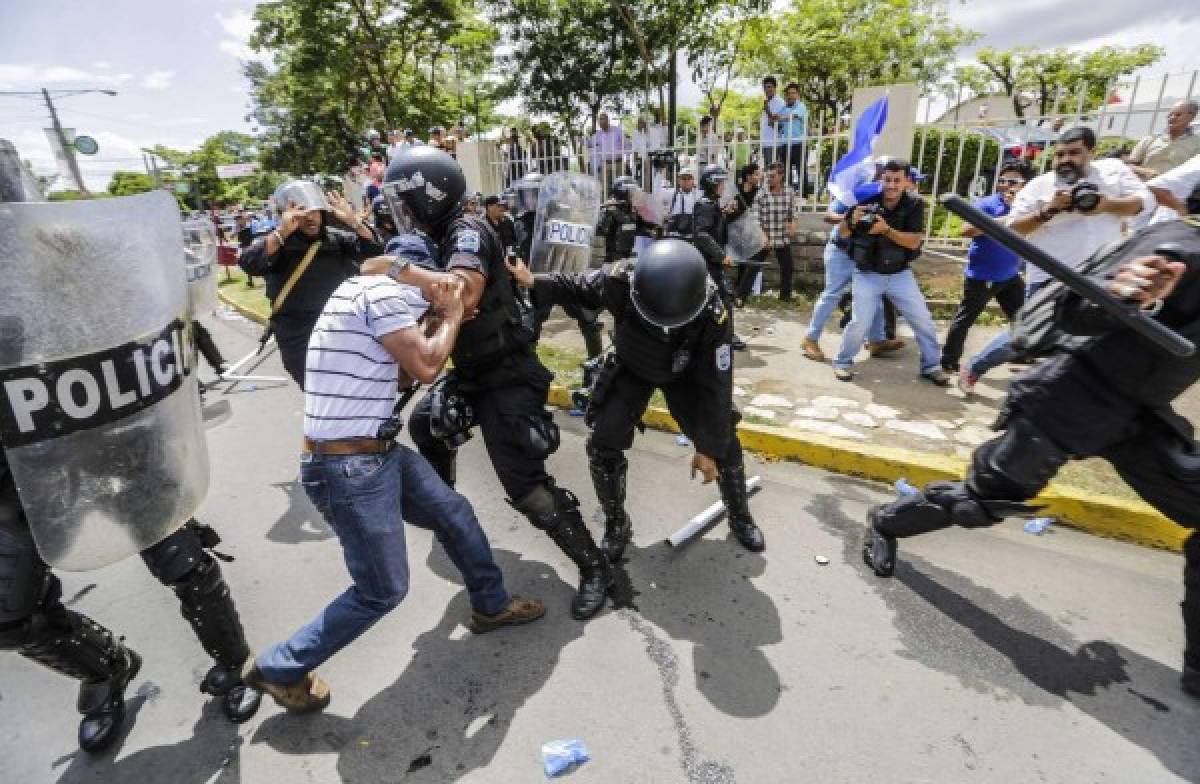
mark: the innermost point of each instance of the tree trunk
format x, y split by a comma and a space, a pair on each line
672, 95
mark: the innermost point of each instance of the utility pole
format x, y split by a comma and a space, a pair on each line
68, 149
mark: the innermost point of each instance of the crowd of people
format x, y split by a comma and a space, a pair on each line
369, 302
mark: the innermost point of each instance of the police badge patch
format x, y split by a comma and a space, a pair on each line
723, 361
468, 241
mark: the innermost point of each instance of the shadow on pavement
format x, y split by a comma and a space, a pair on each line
703, 594
943, 618
300, 522
209, 755
450, 709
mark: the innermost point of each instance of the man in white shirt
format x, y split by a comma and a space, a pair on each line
366, 343
769, 118
679, 203
1069, 212
608, 146
1172, 189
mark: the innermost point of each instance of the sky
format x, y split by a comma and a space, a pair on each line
175, 63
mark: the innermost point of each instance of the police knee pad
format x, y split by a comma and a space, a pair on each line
1018, 464
43, 618
544, 505
605, 457
181, 553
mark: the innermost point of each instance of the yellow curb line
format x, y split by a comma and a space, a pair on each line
1116, 518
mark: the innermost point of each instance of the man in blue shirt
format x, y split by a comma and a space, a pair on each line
993, 271
792, 132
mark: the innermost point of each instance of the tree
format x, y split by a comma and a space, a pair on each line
127, 183
830, 47
340, 68
1056, 80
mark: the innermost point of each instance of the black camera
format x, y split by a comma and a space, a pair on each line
870, 214
1085, 196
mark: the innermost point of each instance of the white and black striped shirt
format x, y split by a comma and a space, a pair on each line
350, 378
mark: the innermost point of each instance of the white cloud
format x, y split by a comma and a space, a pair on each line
158, 80
35, 75
238, 26
102, 64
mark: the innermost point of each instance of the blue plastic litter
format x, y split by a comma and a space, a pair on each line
575, 412
1038, 525
559, 756
683, 440
903, 488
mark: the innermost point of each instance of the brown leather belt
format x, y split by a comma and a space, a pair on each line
349, 446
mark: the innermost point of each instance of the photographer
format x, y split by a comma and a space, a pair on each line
1070, 212
303, 261
884, 234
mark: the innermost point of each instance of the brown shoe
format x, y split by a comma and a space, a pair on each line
307, 695
517, 612
812, 350
881, 348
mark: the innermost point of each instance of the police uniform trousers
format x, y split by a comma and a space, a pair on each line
35, 623
1066, 410
616, 416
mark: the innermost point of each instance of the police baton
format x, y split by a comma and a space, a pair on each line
1129, 314
267, 334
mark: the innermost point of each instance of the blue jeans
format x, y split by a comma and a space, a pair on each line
999, 349
839, 269
366, 499
901, 288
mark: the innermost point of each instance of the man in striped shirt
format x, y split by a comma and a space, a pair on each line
366, 343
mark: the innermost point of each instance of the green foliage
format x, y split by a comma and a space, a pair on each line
340, 68
127, 183
1054, 81
830, 47
942, 146
64, 196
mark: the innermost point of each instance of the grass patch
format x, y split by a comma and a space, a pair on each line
255, 299
1097, 476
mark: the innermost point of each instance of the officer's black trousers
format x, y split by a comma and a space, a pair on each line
509, 404
624, 401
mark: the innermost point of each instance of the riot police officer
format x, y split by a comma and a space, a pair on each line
1103, 391
382, 220
34, 621
672, 331
709, 236
527, 190
620, 224
497, 382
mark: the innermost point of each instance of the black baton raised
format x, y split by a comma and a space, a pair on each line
1130, 315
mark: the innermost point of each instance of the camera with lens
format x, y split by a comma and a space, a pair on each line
1085, 196
870, 214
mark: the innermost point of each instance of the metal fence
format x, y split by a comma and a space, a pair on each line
960, 142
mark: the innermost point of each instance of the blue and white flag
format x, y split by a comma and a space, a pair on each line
855, 167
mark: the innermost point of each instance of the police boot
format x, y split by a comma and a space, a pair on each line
593, 338
938, 505
208, 348
1191, 616
208, 607
732, 482
556, 511
78, 647
608, 477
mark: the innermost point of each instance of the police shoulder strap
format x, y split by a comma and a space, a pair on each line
309, 255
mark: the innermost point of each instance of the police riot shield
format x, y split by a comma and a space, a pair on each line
745, 236
568, 209
200, 263
647, 206
99, 407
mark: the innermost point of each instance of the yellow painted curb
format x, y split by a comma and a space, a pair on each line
1117, 518
253, 315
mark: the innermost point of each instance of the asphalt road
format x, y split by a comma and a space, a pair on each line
993, 656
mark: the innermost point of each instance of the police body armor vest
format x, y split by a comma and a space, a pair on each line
649, 352
623, 238
503, 325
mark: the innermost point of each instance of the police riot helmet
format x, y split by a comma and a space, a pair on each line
305, 194
527, 192
382, 214
710, 177
622, 189
670, 283
424, 183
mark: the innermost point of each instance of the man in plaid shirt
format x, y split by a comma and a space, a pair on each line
777, 215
